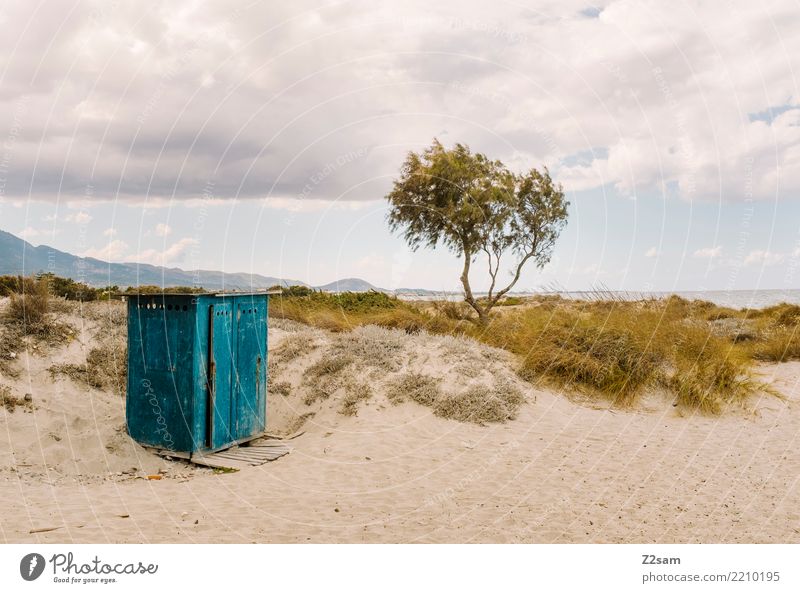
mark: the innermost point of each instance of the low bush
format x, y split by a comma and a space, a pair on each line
480, 404
417, 387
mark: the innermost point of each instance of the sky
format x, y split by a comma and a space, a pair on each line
262, 136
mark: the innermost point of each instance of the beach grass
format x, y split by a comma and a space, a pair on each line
700, 353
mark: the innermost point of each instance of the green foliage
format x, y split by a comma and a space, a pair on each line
69, 289
360, 301
294, 291
475, 206
152, 289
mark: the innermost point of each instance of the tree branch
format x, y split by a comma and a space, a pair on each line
517, 274
492, 269
468, 297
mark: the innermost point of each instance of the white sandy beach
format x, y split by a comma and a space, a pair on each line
562, 471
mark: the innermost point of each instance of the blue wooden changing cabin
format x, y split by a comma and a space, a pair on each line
197, 370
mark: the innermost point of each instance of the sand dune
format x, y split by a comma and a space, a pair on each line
560, 471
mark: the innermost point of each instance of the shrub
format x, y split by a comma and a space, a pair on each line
783, 314
419, 388
371, 345
329, 365
294, 291
707, 373
29, 306
324, 378
69, 289
480, 404
457, 311
105, 368
295, 345
777, 344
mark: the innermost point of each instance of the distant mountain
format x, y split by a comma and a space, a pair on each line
350, 285
20, 257
425, 292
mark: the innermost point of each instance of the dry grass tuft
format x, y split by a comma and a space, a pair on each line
105, 368
782, 314
325, 377
708, 374
295, 345
777, 344
346, 311
283, 388
372, 345
10, 343
109, 363
329, 365
569, 351
355, 393
29, 307
321, 389
11, 402
77, 372
480, 404
456, 311
30, 313
617, 350
417, 387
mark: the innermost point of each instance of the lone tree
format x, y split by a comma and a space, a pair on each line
475, 206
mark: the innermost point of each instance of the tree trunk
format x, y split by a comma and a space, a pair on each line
483, 316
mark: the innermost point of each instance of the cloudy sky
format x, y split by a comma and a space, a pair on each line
262, 136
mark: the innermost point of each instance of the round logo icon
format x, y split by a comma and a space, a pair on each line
31, 566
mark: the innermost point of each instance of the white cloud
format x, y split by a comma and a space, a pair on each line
114, 251
79, 217
162, 230
110, 232
652, 95
310, 205
174, 254
117, 250
652, 252
763, 257
29, 233
708, 252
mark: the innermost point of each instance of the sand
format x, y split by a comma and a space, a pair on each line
561, 471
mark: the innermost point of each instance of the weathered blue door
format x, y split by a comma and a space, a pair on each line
221, 374
251, 372
159, 395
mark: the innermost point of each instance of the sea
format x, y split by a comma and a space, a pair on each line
736, 299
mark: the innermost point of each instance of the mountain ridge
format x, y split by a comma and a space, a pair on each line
18, 256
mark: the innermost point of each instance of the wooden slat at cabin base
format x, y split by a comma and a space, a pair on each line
242, 457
